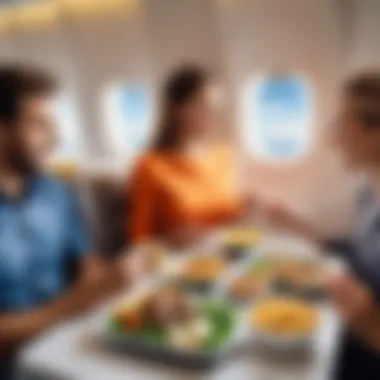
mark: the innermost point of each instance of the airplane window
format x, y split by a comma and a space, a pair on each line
128, 115
278, 116
69, 145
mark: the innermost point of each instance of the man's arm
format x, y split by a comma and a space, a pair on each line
342, 246
17, 327
284, 217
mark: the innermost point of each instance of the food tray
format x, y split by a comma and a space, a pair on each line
241, 272
235, 251
136, 346
294, 251
213, 289
202, 359
279, 344
165, 354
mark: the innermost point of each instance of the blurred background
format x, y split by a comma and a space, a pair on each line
284, 55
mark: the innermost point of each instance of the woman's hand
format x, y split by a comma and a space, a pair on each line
251, 205
128, 269
190, 235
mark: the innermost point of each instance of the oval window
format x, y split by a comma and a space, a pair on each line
278, 116
128, 114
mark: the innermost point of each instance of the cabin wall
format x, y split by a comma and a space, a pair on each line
322, 39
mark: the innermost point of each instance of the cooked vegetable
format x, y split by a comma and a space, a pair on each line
167, 307
244, 287
204, 268
209, 329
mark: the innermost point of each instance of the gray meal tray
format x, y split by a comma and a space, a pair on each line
191, 360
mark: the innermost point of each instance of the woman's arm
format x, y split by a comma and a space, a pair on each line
142, 204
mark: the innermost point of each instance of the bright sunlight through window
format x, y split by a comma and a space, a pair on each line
277, 116
128, 115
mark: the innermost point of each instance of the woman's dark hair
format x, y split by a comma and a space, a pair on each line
364, 89
181, 87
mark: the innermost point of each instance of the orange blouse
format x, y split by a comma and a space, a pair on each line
170, 191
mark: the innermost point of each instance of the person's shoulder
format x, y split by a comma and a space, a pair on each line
50, 181
148, 162
224, 152
55, 185
222, 148
146, 159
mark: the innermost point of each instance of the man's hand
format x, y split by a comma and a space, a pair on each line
98, 280
357, 305
94, 269
353, 299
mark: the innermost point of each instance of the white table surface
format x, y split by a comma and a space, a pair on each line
73, 351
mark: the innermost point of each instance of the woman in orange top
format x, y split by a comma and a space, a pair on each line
185, 183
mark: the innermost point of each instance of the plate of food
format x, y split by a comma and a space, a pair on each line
202, 274
240, 242
301, 277
250, 284
160, 261
174, 327
280, 323
245, 289
297, 268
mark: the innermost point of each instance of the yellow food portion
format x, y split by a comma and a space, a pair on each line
205, 268
284, 317
244, 236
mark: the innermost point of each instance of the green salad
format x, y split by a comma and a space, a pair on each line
219, 319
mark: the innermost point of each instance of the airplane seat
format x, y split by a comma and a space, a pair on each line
104, 204
109, 202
